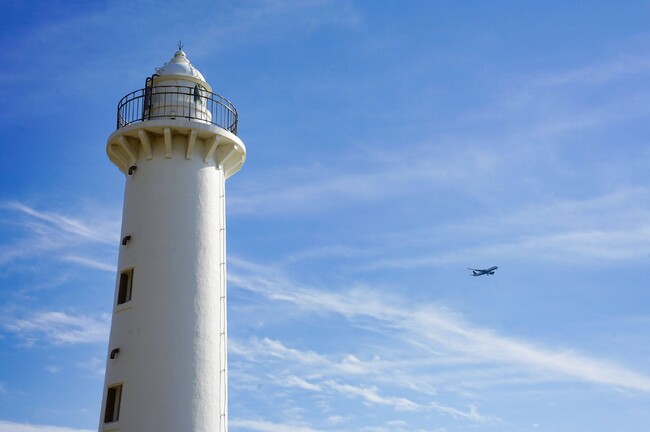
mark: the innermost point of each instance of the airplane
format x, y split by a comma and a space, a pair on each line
481, 272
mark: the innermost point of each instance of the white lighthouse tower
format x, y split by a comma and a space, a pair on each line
176, 142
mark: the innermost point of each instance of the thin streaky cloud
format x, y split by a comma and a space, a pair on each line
330, 376
266, 426
6, 426
91, 263
459, 373
276, 348
276, 20
440, 326
94, 364
344, 365
551, 103
66, 224
315, 368
534, 130
337, 419
53, 369
47, 237
598, 73
574, 247
294, 381
59, 328
398, 426
337, 251
321, 373
612, 210
386, 175
607, 228
472, 414
371, 395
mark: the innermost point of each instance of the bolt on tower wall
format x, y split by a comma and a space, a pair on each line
176, 143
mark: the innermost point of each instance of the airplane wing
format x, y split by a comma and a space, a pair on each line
481, 272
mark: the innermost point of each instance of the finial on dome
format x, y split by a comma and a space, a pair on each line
180, 45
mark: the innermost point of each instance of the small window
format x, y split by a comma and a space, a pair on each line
113, 399
126, 283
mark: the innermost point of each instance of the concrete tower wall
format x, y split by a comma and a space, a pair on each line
170, 332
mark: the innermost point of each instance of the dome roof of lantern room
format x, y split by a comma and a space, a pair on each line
179, 67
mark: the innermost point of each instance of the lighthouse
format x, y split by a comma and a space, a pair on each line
176, 144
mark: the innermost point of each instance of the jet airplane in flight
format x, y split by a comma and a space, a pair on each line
481, 272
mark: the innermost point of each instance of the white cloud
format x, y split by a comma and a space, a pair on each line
385, 175
95, 365
471, 415
245, 23
337, 419
69, 225
265, 426
314, 369
6, 426
598, 73
524, 139
576, 247
277, 349
321, 370
60, 328
432, 325
89, 262
609, 228
371, 396
53, 369
398, 426
294, 381
48, 235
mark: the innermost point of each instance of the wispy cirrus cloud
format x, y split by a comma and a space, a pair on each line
303, 190
65, 224
608, 228
294, 381
50, 235
60, 328
611, 69
573, 247
245, 22
265, 426
94, 364
347, 365
6, 426
371, 395
88, 262
518, 144
399, 426
472, 414
326, 375
434, 326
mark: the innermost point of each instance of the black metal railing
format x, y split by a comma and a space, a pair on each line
195, 103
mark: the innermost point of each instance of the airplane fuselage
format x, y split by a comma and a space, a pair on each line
481, 272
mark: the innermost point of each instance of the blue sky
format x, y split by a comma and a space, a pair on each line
391, 145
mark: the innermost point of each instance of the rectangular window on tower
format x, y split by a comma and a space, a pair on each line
126, 286
113, 399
